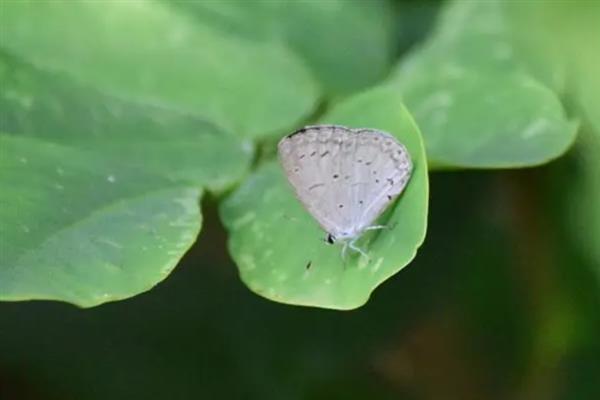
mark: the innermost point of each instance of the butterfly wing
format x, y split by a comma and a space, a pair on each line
383, 168
311, 158
344, 177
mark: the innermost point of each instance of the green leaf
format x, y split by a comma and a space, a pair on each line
153, 52
80, 229
347, 44
100, 195
480, 35
279, 248
475, 100
159, 140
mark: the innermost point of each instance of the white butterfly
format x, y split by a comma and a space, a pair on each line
345, 177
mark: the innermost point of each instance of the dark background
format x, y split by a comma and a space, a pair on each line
497, 305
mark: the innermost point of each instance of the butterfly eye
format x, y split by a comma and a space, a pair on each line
330, 238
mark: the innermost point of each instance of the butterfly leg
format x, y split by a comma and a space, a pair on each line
357, 249
344, 251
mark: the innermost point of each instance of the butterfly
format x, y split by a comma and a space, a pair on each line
345, 177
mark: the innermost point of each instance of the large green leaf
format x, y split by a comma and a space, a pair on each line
346, 43
160, 140
476, 101
80, 229
278, 247
151, 51
99, 195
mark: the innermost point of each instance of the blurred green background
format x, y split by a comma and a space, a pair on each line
501, 302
